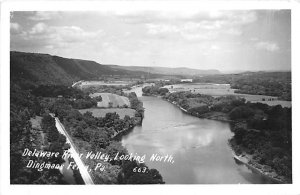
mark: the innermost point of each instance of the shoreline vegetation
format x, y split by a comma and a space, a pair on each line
92, 133
211, 115
239, 121
262, 133
41, 83
88, 133
245, 159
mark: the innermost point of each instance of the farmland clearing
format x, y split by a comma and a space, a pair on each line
110, 100
216, 90
101, 112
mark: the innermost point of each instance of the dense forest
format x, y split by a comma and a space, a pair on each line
24, 106
263, 133
96, 134
74, 97
88, 132
266, 135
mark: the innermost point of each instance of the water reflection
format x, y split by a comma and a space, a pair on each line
199, 146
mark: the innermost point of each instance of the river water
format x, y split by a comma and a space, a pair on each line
199, 147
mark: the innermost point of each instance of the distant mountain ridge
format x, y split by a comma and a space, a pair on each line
169, 71
36, 69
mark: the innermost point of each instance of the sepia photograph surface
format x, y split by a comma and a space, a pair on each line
151, 97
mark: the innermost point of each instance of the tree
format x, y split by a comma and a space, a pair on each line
199, 110
98, 98
113, 148
99, 140
241, 112
239, 134
78, 132
163, 91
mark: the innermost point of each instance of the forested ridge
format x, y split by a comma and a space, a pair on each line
33, 69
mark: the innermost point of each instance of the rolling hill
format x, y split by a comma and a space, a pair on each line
168, 71
31, 69
35, 68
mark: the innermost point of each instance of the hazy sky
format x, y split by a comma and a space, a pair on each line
223, 40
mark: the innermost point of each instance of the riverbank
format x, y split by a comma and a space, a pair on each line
244, 158
247, 160
218, 116
138, 121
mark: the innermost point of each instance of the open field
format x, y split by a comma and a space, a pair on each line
95, 83
224, 89
111, 100
36, 131
36, 122
204, 88
138, 89
97, 112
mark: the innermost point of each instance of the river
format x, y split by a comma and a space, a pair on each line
199, 146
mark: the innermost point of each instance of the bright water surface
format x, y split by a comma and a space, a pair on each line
199, 146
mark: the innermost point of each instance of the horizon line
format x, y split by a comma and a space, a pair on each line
222, 71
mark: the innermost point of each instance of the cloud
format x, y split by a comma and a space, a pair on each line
75, 33
53, 36
150, 16
15, 28
242, 18
200, 26
193, 31
268, 46
197, 38
39, 28
155, 29
238, 17
44, 15
234, 31
254, 39
215, 47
